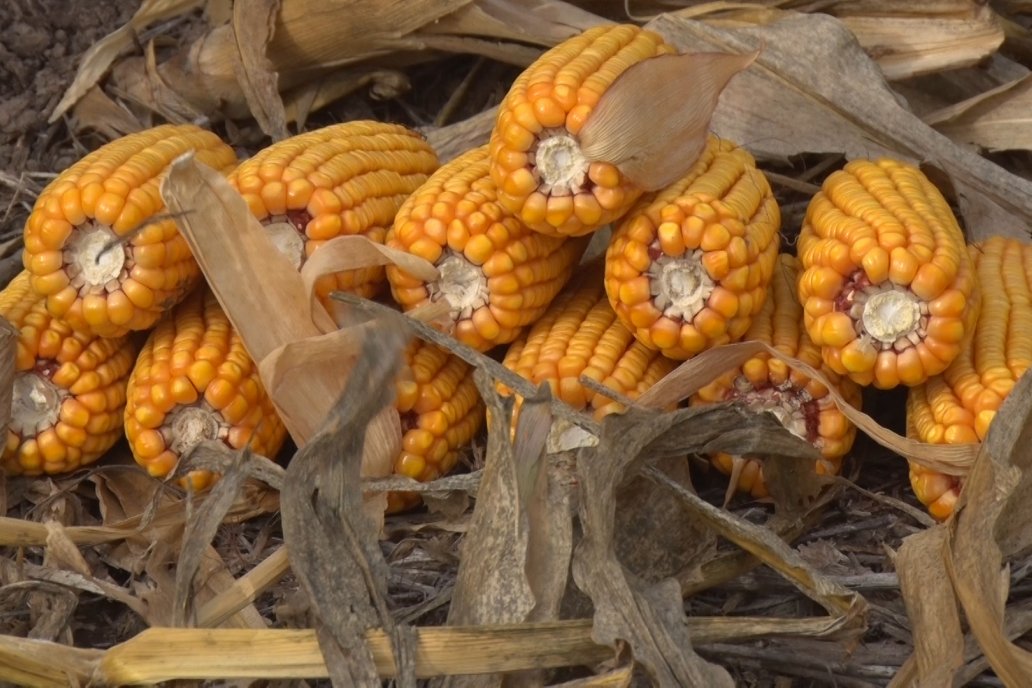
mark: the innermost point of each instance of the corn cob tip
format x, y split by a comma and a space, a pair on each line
689, 267
887, 283
539, 164
286, 232
94, 258
97, 242
193, 381
462, 285
35, 403
496, 275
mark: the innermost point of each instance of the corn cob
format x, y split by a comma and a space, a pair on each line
886, 283
764, 383
69, 388
497, 275
689, 267
958, 406
81, 241
537, 164
580, 335
193, 381
340, 180
441, 410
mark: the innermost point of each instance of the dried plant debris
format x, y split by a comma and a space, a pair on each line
333, 543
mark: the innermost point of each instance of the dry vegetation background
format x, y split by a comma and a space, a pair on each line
567, 569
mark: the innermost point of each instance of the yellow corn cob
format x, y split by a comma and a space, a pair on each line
105, 197
192, 381
69, 388
497, 275
764, 383
886, 281
580, 335
441, 410
688, 267
536, 159
958, 406
340, 180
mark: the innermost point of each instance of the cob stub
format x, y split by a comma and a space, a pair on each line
194, 381
887, 282
580, 335
340, 180
97, 242
537, 163
764, 383
497, 275
440, 409
69, 388
688, 267
959, 405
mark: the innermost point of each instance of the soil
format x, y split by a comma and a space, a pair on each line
41, 44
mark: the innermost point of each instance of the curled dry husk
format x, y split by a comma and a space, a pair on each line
699, 371
304, 356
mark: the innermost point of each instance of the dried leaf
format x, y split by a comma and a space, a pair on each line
254, 25
655, 145
357, 251
649, 617
491, 585
200, 532
96, 61
544, 22
95, 110
825, 95
920, 40
657, 537
999, 119
334, 550
931, 607
62, 552
699, 371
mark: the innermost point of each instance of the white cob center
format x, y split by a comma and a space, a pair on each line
561, 165
188, 426
889, 315
95, 259
35, 403
462, 284
287, 240
786, 401
680, 286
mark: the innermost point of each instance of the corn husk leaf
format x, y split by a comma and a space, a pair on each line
923, 38
990, 524
264, 297
254, 24
999, 119
906, 40
97, 111
654, 152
